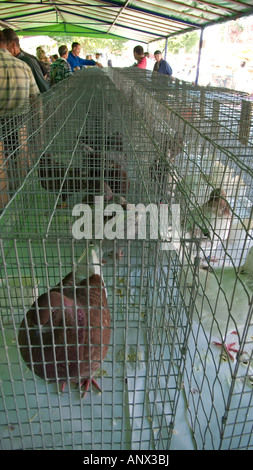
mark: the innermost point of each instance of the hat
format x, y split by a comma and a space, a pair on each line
157, 52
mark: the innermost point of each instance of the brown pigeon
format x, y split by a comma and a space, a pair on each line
110, 168
66, 333
54, 177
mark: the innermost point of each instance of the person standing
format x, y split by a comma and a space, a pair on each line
140, 57
44, 61
161, 65
60, 68
16, 78
101, 59
17, 87
77, 62
13, 46
54, 57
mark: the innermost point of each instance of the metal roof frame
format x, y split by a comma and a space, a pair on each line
140, 20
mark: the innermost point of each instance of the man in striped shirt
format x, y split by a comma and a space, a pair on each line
13, 46
17, 81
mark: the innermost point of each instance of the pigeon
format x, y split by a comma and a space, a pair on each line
221, 298
165, 178
209, 222
162, 170
66, 333
172, 146
113, 142
56, 178
117, 178
110, 169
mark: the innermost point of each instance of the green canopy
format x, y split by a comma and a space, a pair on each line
139, 20
66, 29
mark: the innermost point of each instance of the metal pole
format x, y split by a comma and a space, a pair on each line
166, 45
199, 55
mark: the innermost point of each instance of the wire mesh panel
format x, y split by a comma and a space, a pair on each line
105, 170
205, 158
223, 115
87, 142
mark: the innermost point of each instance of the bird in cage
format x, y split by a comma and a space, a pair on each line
117, 178
113, 142
66, 333
57, 178
221, 298
172, 146
209, 222
161, 167
108, 165
163, 171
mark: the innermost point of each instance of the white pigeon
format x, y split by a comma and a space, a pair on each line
221, 298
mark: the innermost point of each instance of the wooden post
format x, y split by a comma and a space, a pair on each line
215, 127
4, 189
23, 157
245, 122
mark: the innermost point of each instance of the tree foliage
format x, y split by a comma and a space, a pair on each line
92, 45
187, 42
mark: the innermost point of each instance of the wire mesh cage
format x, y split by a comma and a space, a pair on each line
223, 115
174, 363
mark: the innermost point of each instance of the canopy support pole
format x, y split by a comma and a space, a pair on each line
199, 54
166, 46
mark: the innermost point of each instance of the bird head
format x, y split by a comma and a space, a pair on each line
217, 199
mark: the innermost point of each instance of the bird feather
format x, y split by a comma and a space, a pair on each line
66, 333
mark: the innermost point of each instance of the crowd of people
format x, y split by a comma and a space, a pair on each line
24, 75
160, 66
42, 72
